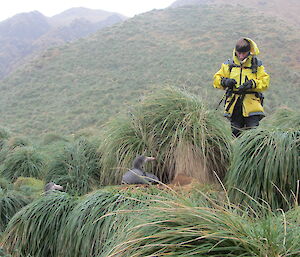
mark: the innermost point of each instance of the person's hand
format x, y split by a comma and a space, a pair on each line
245, 86
228, 83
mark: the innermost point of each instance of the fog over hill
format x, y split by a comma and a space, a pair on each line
27, 33
84, 83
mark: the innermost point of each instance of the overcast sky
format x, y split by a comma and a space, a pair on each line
51, 7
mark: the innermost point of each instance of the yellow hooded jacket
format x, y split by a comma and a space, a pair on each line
242, 72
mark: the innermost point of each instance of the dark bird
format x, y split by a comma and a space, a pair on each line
137, 175
51, 187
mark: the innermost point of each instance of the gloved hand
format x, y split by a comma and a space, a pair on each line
228, 83
245, 86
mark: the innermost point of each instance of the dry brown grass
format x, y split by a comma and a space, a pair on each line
191, 165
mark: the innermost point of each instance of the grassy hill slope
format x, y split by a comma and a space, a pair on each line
283, 9
84, 83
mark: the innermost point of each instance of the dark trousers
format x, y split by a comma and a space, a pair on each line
239, 122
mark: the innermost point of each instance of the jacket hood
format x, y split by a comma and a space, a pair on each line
253, 47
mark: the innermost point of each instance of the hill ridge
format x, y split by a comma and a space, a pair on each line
27, 33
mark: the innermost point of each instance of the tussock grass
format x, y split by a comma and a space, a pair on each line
265, 166
76, 168
25, 162
175, 228
95, 221
10, 203
177, 129
283, 118
124, 139
103, 218
36, 229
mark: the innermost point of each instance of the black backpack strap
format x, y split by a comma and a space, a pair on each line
255, 63
230, 103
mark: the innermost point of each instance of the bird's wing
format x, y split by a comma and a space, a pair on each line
134, 176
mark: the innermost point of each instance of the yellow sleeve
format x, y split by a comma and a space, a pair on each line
223, 72
262, 80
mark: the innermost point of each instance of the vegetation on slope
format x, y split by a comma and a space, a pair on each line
269, 159
176, 228
76, 168
155, 220
41, 222
83, 84
174, 127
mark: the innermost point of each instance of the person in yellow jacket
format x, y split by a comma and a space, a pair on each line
244, 79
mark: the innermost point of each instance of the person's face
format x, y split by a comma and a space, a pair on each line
242, 55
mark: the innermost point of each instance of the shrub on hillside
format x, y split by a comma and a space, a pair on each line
24, 162
95, 221
10, 203
76, 168
36, 229
265, 166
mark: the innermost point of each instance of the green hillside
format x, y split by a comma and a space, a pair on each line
82, 84
283, 9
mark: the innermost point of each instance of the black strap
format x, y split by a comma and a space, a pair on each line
232, 64
230, 103
244, 92
254, 64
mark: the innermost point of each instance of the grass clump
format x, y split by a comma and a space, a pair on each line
76, 168
124, 139
175, 228
25, 162
95, 221
177, 129
266, 167
36, 229
10, 203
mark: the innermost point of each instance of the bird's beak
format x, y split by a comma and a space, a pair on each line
150, 159
58, 187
